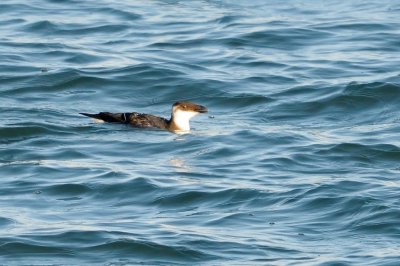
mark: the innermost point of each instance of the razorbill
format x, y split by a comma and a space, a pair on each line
181, 113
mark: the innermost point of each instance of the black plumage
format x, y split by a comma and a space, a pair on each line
133, 119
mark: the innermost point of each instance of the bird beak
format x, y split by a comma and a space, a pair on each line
201, 109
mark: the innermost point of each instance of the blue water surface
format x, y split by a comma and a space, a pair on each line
297, 162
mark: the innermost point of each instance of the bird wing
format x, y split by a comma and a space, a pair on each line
145, 120
133, 119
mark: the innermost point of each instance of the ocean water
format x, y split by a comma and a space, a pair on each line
297, 162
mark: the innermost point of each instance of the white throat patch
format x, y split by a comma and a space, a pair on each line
181, 119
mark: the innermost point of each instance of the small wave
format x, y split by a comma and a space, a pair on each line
119, 13
238, 101
381, 91
16, 247
67, 189
363, 153
227, 20
43, 26
146, 250
355, 26
354, 100
46, 27
293, 38
5, 222
142, 188
26, 131
250, 61
66, 80
12, 22
377, 219
143, 70
5, 7
222, 198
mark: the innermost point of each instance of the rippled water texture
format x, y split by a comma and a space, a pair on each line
297, 162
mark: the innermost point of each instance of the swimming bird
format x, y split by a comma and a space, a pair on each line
181, 113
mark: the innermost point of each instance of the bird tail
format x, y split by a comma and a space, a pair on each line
96, 116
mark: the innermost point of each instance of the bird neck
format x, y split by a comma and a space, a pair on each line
180, 121
179, 125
